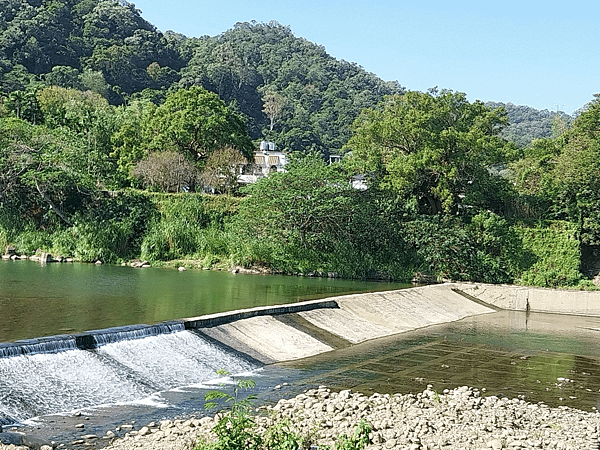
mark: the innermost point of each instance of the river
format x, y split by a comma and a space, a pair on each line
537, 357
42, 300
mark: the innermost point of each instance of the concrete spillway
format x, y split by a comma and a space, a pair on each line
271, 336
54, 374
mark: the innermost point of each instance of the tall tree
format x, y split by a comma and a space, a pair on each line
576, 174
46, 169
433, 147
196, 122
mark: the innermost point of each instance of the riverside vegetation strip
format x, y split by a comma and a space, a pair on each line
458, 419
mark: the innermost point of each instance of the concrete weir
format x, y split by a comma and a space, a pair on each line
289, 332
522, 298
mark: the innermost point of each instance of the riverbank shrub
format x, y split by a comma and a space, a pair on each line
551, 256
236, 428
361, 235
189, 226
311, 219
484, 248
112, 229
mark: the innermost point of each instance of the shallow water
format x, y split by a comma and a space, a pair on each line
538, 357
547, 358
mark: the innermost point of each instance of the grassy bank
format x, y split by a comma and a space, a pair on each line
207, 231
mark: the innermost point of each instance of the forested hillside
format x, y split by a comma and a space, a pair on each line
527, 124
111, 132
289, 89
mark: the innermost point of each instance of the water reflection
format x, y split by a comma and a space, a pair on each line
547, 358
40, 300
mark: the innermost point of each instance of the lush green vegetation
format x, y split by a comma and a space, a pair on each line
237, 430
111, 132
527, 124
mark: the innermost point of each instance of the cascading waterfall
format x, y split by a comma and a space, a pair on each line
125, 364
52, 344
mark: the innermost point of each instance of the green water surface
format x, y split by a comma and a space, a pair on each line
42, 300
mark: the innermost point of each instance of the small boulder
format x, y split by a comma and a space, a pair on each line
46, 258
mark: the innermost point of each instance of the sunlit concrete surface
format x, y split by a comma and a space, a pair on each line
357, 318
366, 316
520, 298
267, 339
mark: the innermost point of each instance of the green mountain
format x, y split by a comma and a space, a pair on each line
527, 123
290, 90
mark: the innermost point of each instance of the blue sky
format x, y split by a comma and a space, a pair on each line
538, 53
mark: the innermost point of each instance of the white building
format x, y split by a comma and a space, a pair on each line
266, 160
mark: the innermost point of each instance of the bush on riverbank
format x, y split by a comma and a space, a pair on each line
370, 237
551, 255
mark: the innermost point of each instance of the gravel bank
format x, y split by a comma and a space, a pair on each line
458, 419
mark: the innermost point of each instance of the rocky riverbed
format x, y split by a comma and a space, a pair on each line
463, 418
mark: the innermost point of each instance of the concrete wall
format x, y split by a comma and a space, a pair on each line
519, 298
271, 334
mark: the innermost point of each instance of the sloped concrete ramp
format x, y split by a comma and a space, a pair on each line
269, 336
523, 298
367, 316
266, 339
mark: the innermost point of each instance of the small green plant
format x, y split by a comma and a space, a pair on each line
281, 437
234, 429
212, 397
358, 440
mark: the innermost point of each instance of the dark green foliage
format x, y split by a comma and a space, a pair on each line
485, 249
434, 148
527, 124
320, 96
44, 171
189, 226
113, 227
310, 219
104, 36
195, 123
551, 256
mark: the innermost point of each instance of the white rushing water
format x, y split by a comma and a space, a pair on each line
123, 371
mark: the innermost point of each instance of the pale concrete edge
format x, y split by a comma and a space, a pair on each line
532, 299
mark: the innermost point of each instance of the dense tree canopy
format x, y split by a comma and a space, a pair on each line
318, 96
46, 173
527, 124
107, 37
195, 122
106, 46
94, 100
433, 147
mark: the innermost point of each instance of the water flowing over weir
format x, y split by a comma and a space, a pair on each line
118, 365
128, 364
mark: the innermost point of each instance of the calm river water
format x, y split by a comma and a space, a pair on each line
41, 300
